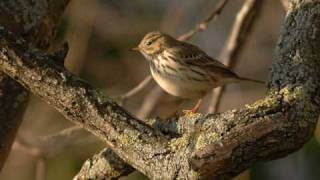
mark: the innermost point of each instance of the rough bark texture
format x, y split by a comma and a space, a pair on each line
35, 20
105, 164
216, 146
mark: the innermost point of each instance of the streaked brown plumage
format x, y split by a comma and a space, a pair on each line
182, 69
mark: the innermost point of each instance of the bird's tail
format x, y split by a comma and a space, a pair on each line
251, 80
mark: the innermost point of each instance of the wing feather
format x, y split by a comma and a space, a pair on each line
193, 56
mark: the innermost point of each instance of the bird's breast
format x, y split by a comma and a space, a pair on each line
171, 78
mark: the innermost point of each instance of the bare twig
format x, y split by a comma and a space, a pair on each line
21, 144
36, 152
215, 99
55, 143
135, 90
81, 33
149, 102
204, 24
238, 33
63, 133
42, 148
41, 168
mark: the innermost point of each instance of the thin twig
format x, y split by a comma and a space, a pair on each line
36, 152
63, 133
239, 31
45, 147
80, 36
41, 169
135, 90
204, 24
22, 145
149, 102
55, 143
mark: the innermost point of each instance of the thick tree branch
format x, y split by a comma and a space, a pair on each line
217, 146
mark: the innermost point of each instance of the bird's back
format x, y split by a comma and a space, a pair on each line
194, 57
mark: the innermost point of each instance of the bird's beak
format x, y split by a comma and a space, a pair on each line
135, 49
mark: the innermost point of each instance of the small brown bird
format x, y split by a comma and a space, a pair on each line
183, 69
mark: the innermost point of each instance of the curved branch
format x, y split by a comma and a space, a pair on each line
217, 146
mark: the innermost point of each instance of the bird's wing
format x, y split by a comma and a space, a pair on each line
193, 56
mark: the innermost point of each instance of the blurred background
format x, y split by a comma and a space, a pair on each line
100, 34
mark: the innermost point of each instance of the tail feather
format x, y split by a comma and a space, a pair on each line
251, 80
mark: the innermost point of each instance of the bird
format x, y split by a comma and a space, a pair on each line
183, 69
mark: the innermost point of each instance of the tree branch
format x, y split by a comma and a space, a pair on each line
217, 146
105, 164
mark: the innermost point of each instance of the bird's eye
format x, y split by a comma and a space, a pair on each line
149, 43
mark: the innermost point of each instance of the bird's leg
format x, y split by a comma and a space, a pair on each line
197, 106
194, 110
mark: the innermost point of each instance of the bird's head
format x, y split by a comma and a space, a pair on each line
154, 43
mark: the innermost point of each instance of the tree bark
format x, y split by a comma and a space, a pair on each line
214, 146
36, 21
104, 165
